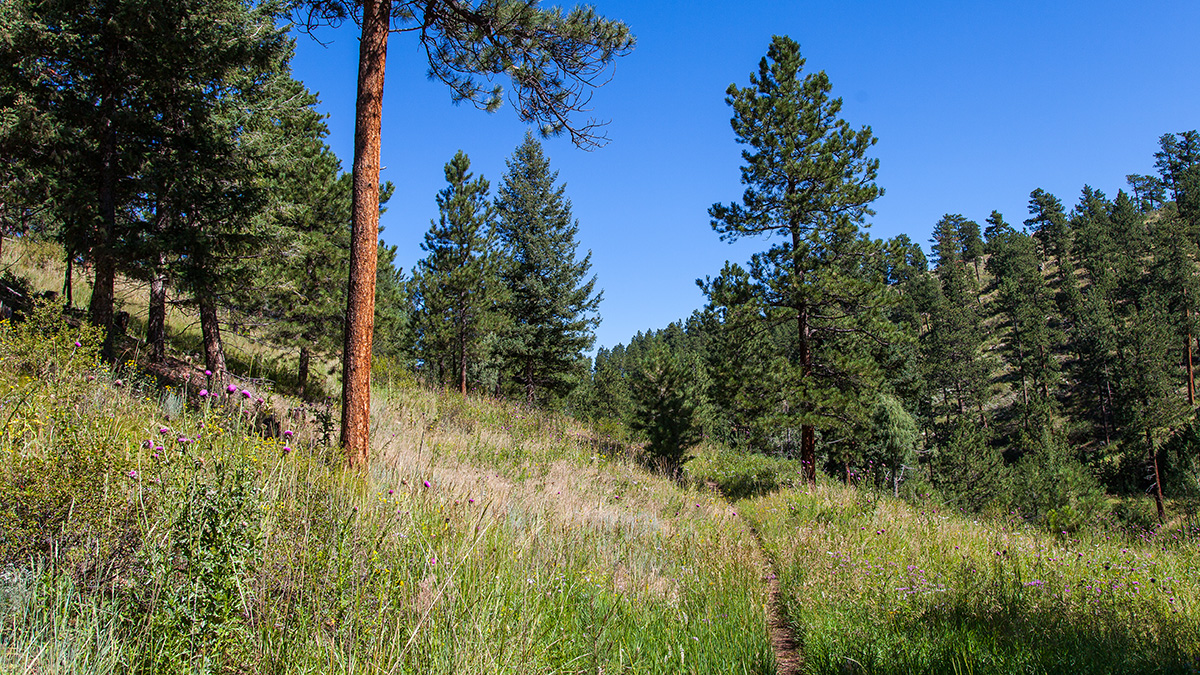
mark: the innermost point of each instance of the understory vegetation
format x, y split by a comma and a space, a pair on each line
874, 585
157, 530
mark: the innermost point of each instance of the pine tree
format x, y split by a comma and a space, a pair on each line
665, 388
957, 367
817, 290
456, 280
1024, 304
553, 58
551, 308
1049, 224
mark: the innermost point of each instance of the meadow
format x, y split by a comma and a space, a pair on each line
155, 530
192, 528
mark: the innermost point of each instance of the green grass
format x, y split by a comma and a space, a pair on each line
532, 549
874, 585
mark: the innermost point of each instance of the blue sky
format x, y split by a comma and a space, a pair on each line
975, 105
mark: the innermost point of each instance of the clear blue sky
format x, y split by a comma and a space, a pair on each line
975, 104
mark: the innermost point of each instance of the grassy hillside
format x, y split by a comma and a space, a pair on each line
147, 529
161, 531
874, 585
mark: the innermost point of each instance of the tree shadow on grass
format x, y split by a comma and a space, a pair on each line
959, 638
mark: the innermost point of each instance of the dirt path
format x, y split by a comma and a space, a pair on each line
788, 660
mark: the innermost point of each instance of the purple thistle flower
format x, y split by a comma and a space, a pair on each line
158, 449
286, 449
427, 484
231, 389
78, 343
259, 400
203, 393
182, 439
287, 433
132, 473
245, 393
163, 430
208, 373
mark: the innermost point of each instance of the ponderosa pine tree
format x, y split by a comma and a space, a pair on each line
551, 304
456, 281
1176, 155
810, 181
77, 123
553, 59
957, 367
1024, 304
665, 388
1048, 222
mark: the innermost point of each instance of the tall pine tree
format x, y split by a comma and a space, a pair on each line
456, 280
809, 181
551, 308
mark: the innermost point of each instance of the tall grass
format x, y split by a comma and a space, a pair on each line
148, 530
874, 585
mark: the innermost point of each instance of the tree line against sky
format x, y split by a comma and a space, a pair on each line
168, 142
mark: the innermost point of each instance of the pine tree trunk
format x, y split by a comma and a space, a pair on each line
364, 238
1158, 495
1191, 376
100, 309
530, 389
210, 329
302, 372
69, 281
462, 364
156, 320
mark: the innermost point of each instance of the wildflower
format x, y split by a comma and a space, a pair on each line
245, 393
164, 431
286, 449
471, 501
78, 343
287, 433
157, 449
132, 473
203, 393
208, 373
117, 383
391, 491
427, 484
231, 389
182, 439
259, 400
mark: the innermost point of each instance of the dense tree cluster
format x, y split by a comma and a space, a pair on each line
505, 306
1033, 366
168, 143
1029, 367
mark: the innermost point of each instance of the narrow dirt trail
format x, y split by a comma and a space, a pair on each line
788, 660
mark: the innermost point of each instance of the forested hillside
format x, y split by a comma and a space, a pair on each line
860, 455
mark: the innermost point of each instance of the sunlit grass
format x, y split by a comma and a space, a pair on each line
874, 585
486, 537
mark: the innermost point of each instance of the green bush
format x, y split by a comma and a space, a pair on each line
1052, 488
739, 475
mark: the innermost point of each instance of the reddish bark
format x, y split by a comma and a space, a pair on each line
210, 329
364, 238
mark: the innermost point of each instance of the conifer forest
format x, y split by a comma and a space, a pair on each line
237, 437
